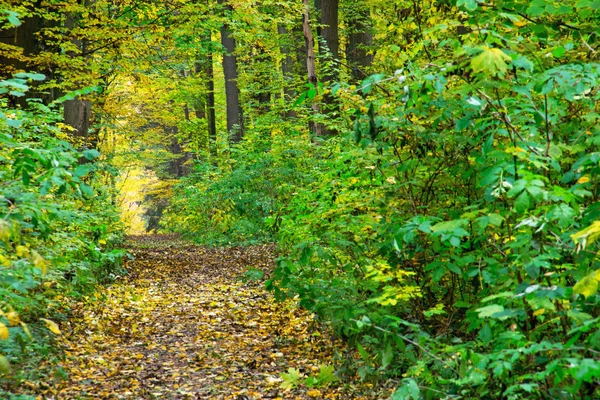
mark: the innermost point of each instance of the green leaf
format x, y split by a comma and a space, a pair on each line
522, 203
326, 374
14, 20
490, 310
291, 378
446, 226
587, 370
408, 390
86, 190
363, 353
387, 355
14, 123
558, 52
470, 5
30, 75
562, 213
91, 154
523, 62
491, 61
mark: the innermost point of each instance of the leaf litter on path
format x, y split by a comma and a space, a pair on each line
182, 325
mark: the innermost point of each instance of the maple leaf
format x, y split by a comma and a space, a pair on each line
491, 61
291, 378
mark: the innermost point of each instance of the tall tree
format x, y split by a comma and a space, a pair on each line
234, 109
78, 111
206, 110
311, 67
329, 33
359, 37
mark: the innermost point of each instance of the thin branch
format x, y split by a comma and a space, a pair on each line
424, 350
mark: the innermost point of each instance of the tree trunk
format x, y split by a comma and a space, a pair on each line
330, 35
287, 72
330, 30
360, 39
208, 112
24, 38
311, 65
232, 92
78, 112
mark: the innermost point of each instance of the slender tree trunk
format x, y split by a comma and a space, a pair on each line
208, 112
330, 29
262, 77
23, 37
234, 109
310, 64
329, 34
287, 71
360, 39
78, 112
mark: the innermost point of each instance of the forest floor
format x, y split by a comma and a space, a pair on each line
183, 325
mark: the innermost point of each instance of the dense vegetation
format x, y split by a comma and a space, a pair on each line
434, 194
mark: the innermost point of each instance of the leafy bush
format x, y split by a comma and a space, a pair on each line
238, 200
58, 229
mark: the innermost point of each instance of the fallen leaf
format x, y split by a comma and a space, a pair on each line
52, 326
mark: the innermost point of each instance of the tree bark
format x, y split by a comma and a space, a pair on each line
330, 35
330, 22
360, 39
208, 111
232, 92
287, 71
78, 112
311, 65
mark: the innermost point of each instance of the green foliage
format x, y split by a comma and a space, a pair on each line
58, 230
237, 201
449, 233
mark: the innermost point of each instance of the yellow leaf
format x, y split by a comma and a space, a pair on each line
39, 262
314, 393
3, 331
13, 318
491, 61
520, 23
583, 179
5, 231
5, 262
26, 330
22, 251
588, 235
52, 326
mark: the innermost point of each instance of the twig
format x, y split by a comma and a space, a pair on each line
424, 350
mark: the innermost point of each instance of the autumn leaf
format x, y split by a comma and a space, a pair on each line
5, 230
52, 326
588, 285
13, 318
3, 331
491, 61
39, 262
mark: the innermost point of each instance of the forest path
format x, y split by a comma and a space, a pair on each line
182, 325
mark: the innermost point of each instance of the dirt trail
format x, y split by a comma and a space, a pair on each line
182, 325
